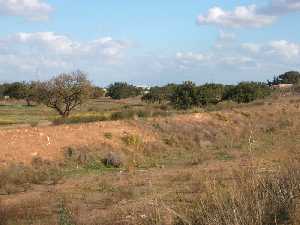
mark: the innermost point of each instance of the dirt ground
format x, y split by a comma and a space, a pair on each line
22, 144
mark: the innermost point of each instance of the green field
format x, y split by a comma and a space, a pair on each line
17, 112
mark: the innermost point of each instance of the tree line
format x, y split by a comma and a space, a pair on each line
65, 92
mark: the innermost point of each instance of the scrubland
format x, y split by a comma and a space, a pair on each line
224, 165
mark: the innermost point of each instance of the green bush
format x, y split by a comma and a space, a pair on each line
159, 94
185, 96
210, 93
246, 92
121, 90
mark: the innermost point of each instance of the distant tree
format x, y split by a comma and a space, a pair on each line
246, 92
185, 96
291, 77
2, 90
31, 92
210, 93
16, 90
97, 92
64, 92
159, 94
121, 90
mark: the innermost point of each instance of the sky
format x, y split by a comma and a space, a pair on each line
149, 42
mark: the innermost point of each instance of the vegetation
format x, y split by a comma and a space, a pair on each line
246, 92
210, 93
291, 77
65, 92
160, 95
97, 92
190, 169
185, 96
121, 90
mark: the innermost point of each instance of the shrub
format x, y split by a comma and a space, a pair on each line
126, 114
113, 160
18, 177
120, 90
250, 199
65, 215
184, 96
210, 93
159, 94
133, 140
108, 135
246, 92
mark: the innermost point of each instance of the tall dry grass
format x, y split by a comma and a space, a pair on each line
251, 197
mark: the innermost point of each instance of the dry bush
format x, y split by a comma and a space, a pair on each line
113, 159
251, 198
17, 177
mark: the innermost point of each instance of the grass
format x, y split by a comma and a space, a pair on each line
16, 113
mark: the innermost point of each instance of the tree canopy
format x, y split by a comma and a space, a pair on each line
64, 92
120, 90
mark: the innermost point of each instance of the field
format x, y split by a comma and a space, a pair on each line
229, 164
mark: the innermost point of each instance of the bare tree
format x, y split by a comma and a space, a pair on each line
64, 92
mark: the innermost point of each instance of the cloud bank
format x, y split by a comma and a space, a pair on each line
249, 16
29, 9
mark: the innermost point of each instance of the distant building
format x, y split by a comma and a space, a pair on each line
6, 97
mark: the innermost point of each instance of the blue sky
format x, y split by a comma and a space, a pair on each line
149, 42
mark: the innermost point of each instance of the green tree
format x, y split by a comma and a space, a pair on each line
210, 93
121, 90
159, 94
185, 96
291, 77
16, 90
64, 92
246, 92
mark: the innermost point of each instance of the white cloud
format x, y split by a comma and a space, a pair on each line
278, 7
249, 16
251, 47
285, 48
190, 56
281, 49
242, 16
30, 9
50, 53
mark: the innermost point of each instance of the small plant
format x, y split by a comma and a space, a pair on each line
132, 140
112, 160
108, 135
122, 115
65, 215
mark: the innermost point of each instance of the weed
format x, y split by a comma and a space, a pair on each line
224, 156
122, 115
132, 140
65, 215
108, 135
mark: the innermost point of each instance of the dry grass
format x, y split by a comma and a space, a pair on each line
250, 198
230, 167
